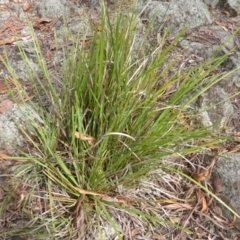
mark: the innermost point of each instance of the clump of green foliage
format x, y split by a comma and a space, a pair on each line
115, 115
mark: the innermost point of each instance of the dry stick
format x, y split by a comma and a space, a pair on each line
204, 228
185, 223
78, 207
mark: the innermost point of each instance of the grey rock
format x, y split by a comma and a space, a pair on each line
224, 37
56, 8
231, 83
191, 46
232, 5
91, 3
220, 42
22, 115
218, 108
16, 238
177, 14
212, 3
4, 15
19, 67
233, 62
227, 168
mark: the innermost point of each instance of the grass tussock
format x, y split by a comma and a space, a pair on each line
118, 118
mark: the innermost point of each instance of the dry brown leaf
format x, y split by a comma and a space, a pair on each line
201, 200
234, 149
233, 223
6, 26
3, 156
219, 219
97, 28
11, 27
204, 205
213, 147
177, 206
217, 210
201, 176
48, 54
124, 201
27, 6
45, 20
85, 43
42, 21
135, 231
176, 220
6, 105
217, 185
3, 89
15, 28
84, 137
226, 13
6, 41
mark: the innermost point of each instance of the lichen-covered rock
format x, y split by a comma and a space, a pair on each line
56, 8
177, 14
227, 168
218, 107
20, 116
231, 6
